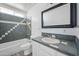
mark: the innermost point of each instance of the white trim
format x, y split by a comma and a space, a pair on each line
12, 22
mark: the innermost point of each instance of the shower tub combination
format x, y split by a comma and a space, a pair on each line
14, 47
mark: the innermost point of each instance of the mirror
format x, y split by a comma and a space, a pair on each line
62, 15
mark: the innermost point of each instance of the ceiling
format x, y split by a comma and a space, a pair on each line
22, 6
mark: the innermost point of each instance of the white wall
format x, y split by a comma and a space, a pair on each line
35, 14
5, 5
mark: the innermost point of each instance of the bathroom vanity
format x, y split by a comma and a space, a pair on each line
42, 50
65, 47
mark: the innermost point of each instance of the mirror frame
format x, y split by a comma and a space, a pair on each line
73, 16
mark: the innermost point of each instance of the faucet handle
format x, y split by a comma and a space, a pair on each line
53, 36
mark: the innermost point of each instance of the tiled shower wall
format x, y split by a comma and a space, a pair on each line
19, 32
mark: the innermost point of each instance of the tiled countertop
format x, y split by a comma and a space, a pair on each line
65, 46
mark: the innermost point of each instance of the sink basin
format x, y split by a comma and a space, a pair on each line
50, 40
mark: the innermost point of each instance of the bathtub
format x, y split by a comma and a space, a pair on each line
10, 48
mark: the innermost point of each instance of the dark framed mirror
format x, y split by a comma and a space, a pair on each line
62, 15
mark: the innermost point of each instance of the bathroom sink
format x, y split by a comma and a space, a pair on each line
50, 40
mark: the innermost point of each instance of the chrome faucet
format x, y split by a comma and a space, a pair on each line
51, 36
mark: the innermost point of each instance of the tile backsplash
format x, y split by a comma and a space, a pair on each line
77, 45
59, 36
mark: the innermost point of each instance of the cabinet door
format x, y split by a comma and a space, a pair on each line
47, 50
50, 51
60, 54
42, 52
34, 48
37, 50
